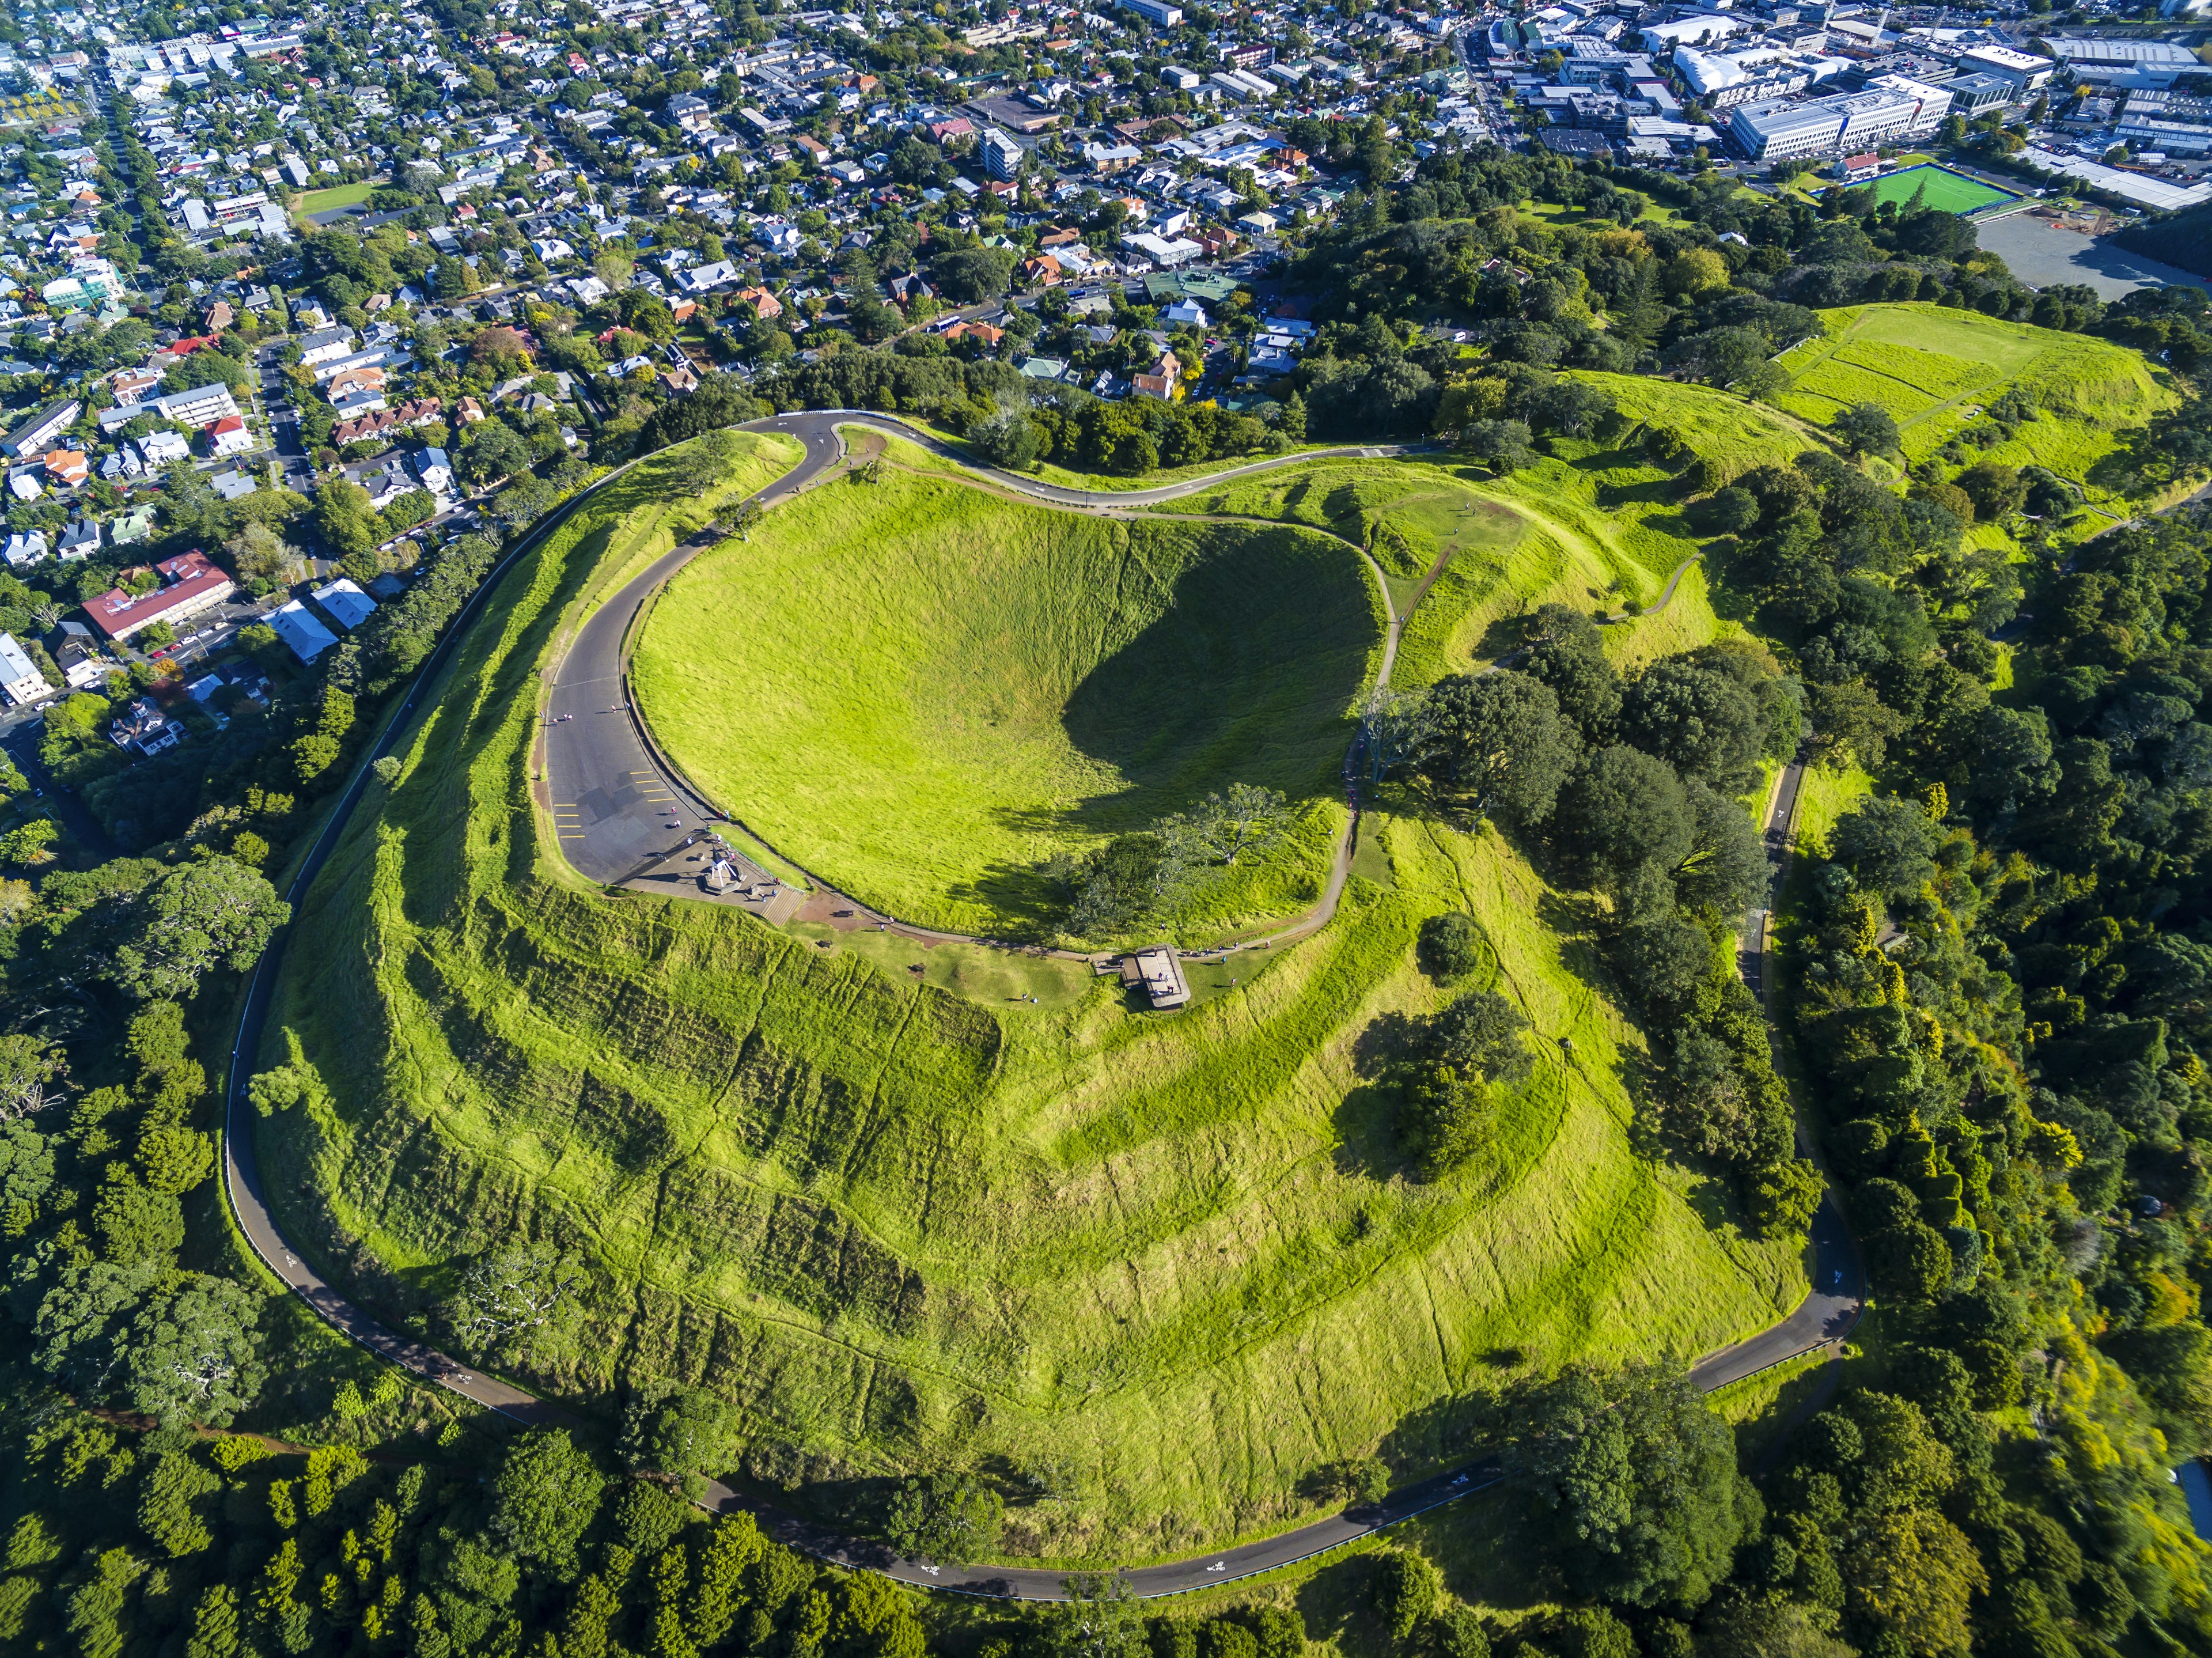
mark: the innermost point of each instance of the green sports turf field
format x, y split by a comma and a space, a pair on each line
1948, 191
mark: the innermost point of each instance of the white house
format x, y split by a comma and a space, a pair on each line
702, 278
345, 603
305, 637
21, 681
325, 346
435, 469
228, 436
160, 448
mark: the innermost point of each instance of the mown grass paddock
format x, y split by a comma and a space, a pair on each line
900, 1226
1935, 368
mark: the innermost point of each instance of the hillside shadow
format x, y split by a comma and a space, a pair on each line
1338, 1605
1652, 491
1246, 676
1506, 636
1381, 1043
1028, 903
1712, 1202
1606, 460
1726, 586
1455, 1429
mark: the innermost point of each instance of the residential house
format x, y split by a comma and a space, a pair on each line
81, 665
158, 449
145, 727
130, 384
303, 637
237, 677
702, 279
345, 602
228, 436
325, 346
26, 547
1160, 380
190, 586
68, 468
20, 679
132, 528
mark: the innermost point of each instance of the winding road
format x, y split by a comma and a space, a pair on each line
608, 782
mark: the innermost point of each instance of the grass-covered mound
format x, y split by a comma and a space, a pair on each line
1598, 524
1728, 435
1934, 368
922, 692
1178, 1260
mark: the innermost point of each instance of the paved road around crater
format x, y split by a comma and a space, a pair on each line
619, 795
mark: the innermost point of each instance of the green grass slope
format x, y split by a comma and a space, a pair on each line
899, 1228
1596, 524
1730, 435
1933, 368
921, 691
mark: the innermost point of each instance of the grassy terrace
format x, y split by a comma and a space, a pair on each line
899, 1225
1933, 369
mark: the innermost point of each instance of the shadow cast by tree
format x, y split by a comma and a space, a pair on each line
1367, 1140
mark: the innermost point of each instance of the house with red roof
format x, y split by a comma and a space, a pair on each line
189, 585
228, 436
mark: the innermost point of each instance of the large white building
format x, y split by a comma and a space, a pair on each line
2138, 63
1780, 129
1703, 29
36, 436
1002, 156
1723, 80
2027, 70
1934, 103
202, 406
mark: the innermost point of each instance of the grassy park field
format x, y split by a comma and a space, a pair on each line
352, 194
1175, 1262
1934, 370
